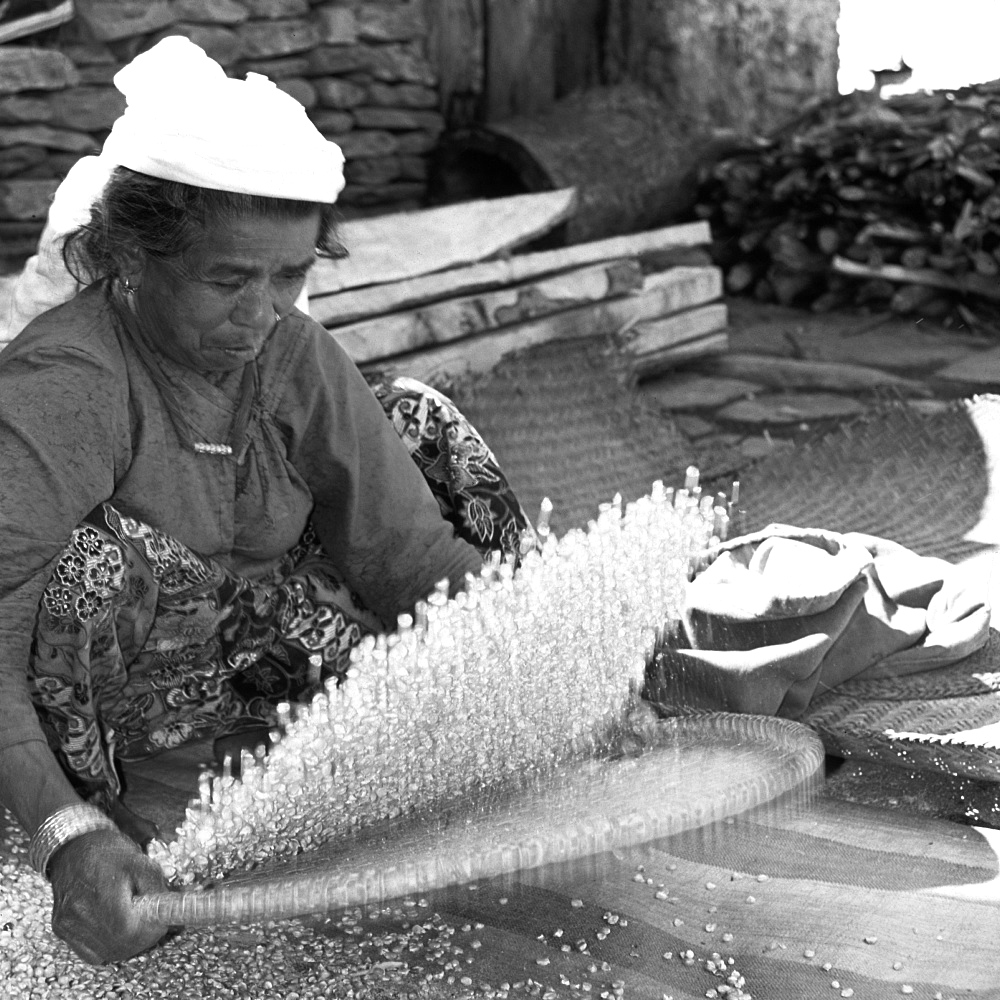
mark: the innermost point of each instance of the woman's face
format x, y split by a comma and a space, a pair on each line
213, 308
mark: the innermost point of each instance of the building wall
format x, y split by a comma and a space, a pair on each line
360, 68
375, 74
748, 64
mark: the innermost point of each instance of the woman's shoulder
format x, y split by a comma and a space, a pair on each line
308, 352
77, 335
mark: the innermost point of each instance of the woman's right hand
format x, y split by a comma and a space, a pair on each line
95, 878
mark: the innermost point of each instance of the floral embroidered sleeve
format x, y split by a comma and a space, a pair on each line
374, 512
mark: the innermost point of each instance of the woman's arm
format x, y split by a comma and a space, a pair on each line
58, 415
374, 512
58, 431
32, 784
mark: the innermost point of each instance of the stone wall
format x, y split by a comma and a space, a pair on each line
360, 68
746, 64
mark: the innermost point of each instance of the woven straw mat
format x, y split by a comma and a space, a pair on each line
928, 480
565, 422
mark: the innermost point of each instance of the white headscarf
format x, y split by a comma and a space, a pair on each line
186, 121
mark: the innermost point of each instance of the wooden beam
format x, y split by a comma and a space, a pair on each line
660, 344
969, 284
520, 58
579, 44
801, 373
456, 49
359, 303
653, 335
408, 244
453, 319
441, 365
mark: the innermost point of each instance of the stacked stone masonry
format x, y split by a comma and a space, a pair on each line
359, 68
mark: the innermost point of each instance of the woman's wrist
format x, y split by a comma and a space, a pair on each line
60, 828
32, 784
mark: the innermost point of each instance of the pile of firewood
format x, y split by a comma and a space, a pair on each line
861, 200
438, 294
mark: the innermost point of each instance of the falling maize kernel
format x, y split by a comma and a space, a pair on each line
368, 760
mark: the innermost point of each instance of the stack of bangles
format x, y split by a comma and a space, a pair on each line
60, 828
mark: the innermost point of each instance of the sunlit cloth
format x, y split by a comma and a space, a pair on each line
186, 121
142, 645
786, 614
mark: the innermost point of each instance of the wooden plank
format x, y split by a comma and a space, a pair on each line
656, 342
665, 331
972, 284
667, 358
454, 319
688, 287
408, 244
385, 298
710, 279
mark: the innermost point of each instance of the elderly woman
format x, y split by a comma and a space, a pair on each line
202, 504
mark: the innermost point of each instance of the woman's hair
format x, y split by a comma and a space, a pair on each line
163, 219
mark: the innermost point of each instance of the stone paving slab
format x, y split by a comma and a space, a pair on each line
980, 370
881, 340
790, 408
794, 368
893, 348
795, 373
683, 391
693, 426
766, 328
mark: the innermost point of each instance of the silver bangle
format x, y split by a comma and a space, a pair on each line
60, 828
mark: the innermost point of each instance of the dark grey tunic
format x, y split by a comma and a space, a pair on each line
82, 421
